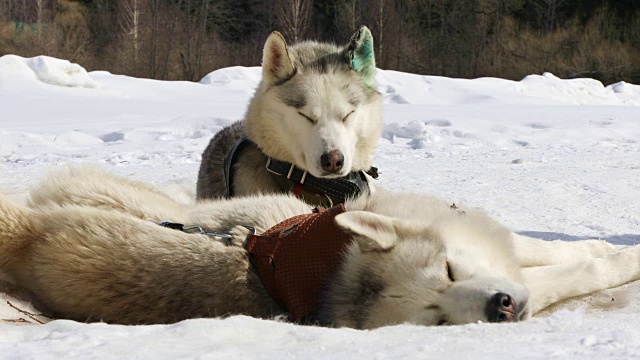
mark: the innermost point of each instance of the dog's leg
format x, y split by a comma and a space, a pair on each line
537, 252
550, 284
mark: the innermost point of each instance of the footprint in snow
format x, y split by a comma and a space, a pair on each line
396, 99
538, 126
602, 123
438, 122
113, 137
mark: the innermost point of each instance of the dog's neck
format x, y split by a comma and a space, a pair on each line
289, 178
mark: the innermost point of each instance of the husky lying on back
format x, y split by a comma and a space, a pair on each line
312, 125
88, 247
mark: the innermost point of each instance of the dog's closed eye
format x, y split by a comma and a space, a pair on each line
347, 116
449, 272
309, 118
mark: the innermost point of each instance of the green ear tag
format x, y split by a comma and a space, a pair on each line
362, 56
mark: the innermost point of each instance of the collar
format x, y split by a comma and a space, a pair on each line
321, 191
317, 191
296, 259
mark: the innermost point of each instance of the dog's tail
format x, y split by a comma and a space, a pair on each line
15, 227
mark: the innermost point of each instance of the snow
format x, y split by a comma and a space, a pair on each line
551, 158
47, 70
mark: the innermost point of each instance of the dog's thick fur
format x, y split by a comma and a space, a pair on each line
314, 99
88, 247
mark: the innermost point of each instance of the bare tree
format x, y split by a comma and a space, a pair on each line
154, 12
39, 8
379, 12
294, 17
200, 39
176, 5
401, 12
70, 31
349, 15
39, 11
552, 13
24, 13
549, 11
129, 21
380, 23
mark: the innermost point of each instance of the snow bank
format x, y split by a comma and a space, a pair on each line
231, 74
46, 69
76, 139
545, 89
624, 88
235, 78
16, 66
572, 91
629, 93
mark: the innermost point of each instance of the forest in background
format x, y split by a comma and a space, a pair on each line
186, 39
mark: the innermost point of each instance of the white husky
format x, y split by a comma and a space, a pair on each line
316, 109
88, 248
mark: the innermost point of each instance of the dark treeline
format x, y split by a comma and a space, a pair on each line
185, 39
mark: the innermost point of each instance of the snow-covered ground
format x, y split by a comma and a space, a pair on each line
552, 158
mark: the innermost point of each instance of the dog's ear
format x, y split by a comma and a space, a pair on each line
372, 232
359, 54
276, 62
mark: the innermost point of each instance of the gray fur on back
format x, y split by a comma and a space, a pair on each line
211, 179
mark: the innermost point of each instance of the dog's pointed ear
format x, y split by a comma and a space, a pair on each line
359, 54
276, 62
372, 232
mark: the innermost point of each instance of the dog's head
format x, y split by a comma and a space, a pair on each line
317, 105
398, 271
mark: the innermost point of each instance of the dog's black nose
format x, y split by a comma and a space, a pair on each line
501, 308
332, 161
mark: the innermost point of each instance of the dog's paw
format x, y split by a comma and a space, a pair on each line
601, 248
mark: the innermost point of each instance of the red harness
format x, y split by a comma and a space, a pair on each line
296, 258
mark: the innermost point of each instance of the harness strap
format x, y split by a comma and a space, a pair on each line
196, 229
230, 160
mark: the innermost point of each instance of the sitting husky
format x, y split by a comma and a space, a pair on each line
88, 247
311, 128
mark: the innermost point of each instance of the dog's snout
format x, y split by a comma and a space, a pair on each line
332, 161
501, 308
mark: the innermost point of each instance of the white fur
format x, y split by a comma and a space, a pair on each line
283, 133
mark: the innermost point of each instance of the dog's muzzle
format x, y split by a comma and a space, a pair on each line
501, 307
